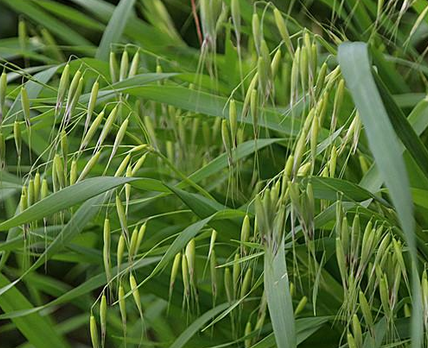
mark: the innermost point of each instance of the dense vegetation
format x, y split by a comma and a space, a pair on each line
214, 173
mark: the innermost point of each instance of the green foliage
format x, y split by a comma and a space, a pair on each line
214, 173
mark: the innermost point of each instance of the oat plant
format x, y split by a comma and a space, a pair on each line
214, 173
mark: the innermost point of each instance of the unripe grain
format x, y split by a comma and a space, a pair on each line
94, 332
91, 163
135, 292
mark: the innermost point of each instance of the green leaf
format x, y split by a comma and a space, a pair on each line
54, 25
403, 128
356, 69
278, 298
213, 105
305, 327
34, 324
63, 199
115, 27
193, 328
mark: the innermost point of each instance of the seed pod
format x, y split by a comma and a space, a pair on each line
338, 100
191, 261
344, 235
148, 124
159, 68
228, 284
399, 254
122, 305
245, 233
321, 80
322, 108
355, 236
120, 251
384, 295
59, 170
37, 186
292, 289
363, 164
246, 283
314, 60
2, 150
113, 67
282, 28
94, 332
25, 102
351, 341
124, 64
248, 330
91, 104
121, 214
332, 162
286, 176
301, 306
119, 137
103, 318
135, 292
134, 64
263, 70
185, 275
107, 126
22, 34
356, 329
70, 107
254, 107
298, 152
248, 95
233, 121
31, 199
92, 129
3, 89
106, 249
304, 68
407, 311
73, 88
91, 163
236, 271
64, 145
44, 190
314, 139
424, 290
294, 78
133, 244
174, 272
383, 249
225, 137
141, 233
122, 165
212, 242
23, 203
366, 246
257, 36
213, 272
341, 260
236, 18
138, 164
127, 190
275, 63
63, 85
365, 309
73, 172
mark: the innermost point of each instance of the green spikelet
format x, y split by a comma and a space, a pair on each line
228, 284
94, 332
103, 319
